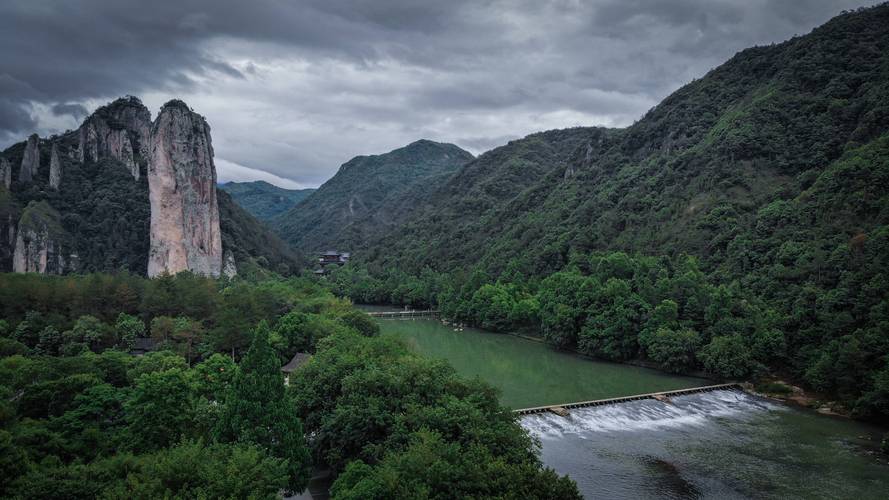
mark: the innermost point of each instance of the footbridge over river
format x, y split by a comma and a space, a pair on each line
562, 409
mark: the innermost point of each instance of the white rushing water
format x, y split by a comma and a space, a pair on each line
720, 444
649, 414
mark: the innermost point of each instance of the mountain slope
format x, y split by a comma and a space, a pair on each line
263, 200
102, 200
255, 247
369, 195
454, 224
754, 203
692, 174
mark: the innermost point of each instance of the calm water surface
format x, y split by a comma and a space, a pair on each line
530, 373
722, 444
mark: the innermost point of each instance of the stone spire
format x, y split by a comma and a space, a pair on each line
30, 160
55, 167
185, 232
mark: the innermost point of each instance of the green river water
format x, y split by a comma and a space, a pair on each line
529, 373
721, 444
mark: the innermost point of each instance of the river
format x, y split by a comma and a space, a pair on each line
721, 444
529, 373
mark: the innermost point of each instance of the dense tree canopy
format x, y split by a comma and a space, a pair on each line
203, 417
400, 425
258, 411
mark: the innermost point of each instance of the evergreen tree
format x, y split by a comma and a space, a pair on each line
260, 412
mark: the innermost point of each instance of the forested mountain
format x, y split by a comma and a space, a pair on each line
755, 201
255, 246
79, 201
691, 175
369, 195
451, 226
263, 200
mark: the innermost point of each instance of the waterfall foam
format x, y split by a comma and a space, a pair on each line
649, 414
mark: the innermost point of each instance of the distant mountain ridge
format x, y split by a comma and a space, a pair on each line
263, 200
368, 196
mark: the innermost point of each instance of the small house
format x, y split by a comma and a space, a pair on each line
331, 257
298, 360
143, 345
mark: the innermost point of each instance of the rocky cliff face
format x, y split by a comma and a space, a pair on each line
30, 160
185, 232
120, 130
5, 173
173, 220
55, 167
39, 243
9, 216
229, 269
7, 239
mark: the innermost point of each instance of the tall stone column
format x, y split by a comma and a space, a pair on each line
185, 232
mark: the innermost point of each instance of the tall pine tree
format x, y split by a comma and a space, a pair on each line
259, 411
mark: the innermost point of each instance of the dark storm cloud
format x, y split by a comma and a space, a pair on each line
76, 111
296, 88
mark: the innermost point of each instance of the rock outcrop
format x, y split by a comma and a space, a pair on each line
9, 216
55, 167
30, 159
229, 268
185, 232
7, 240
118, 130
39, 243
5, 173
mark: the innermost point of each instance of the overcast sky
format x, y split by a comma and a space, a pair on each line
293, 89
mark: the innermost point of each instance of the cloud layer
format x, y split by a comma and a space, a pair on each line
294, 89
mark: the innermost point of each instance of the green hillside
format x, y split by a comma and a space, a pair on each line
257, 249
754, 200
452, 226
263, 200
760, 128
368, 196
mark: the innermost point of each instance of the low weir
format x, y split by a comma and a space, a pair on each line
561, 409
427, 314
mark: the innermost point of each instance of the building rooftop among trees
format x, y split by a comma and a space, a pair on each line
298, 360
331, 257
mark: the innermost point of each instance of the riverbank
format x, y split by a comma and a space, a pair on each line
773, 388
780, 390
375, 308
